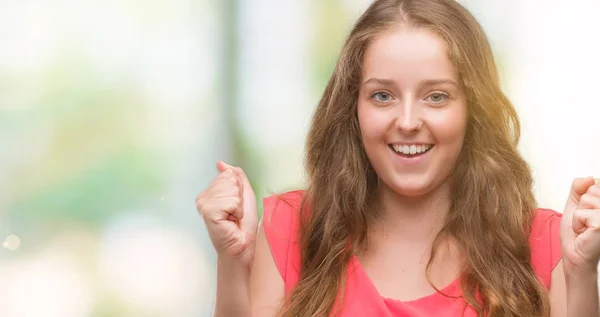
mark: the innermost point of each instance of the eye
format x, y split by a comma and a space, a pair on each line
438, 97
382, 96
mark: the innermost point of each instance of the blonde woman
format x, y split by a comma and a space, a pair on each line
418, 202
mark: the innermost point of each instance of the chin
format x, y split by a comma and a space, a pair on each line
413, 188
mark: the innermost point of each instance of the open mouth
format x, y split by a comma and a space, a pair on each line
409, 151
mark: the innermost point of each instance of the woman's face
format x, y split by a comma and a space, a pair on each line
412, 110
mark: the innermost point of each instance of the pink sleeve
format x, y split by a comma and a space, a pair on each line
545, 244
280, 222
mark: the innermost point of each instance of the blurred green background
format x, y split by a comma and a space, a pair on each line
113, 114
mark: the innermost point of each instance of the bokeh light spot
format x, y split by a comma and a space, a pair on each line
12, 242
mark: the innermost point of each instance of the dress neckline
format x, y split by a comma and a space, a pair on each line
451, 290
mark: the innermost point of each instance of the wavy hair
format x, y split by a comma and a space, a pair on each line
491, 188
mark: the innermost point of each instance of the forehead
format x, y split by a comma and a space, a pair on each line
408, 53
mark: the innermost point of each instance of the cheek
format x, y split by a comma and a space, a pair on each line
373, 125
450, 129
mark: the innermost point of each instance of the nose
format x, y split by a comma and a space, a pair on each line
409, 117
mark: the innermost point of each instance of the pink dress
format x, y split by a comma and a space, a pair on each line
361, 297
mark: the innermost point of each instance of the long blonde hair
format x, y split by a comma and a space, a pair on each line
492, 199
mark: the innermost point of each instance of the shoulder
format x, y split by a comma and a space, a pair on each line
280, 212
288, 202
542, 215
544, 242
281, 224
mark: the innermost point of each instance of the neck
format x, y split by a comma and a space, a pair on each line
415, 218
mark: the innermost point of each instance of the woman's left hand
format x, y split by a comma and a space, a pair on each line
580, 227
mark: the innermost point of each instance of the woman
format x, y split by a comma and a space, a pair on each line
418, 202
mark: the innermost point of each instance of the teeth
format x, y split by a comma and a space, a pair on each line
411, 149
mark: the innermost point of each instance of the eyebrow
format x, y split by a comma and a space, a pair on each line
433, 82
381, 81
428, 82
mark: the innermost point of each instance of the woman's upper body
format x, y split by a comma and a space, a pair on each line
414, 176
277, 271
416, 297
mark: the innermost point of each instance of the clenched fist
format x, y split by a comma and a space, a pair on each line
580, 226
228, 207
